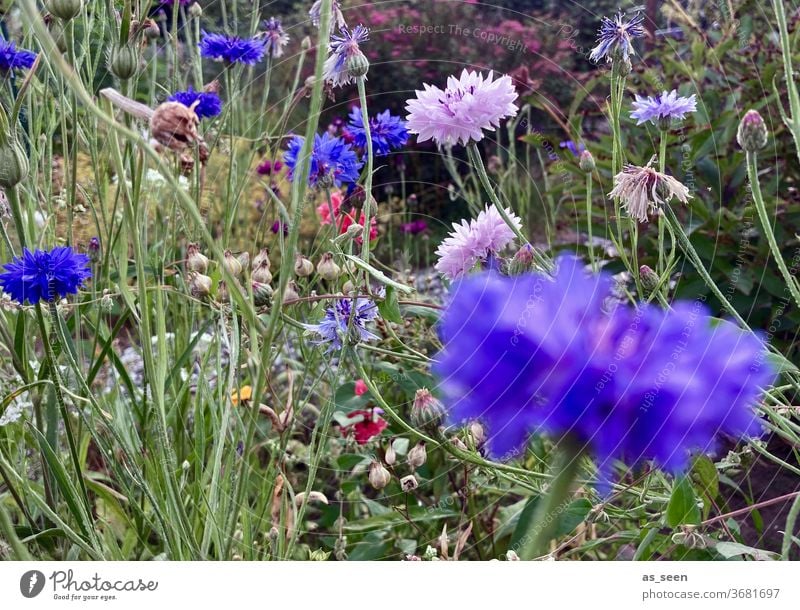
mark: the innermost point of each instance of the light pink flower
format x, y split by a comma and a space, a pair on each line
474, 241
460, 113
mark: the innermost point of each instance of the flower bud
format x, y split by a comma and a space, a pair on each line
199, 285
302, 266
586, 162
195, 10
318, 555
354, 231
408, 483
223, 296
64, 9
327, 267
390, 456
262, 274
290, 292
124, 62
262, 259
426, 411
649, 278
262, 294
306, 43
174, 125
379, 477
195, 260
752, 133
349, 288
13, 163
358, 65
478, 433
417, 456
232, 264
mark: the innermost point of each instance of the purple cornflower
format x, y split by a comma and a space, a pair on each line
279, 226
615, 38
387, 131
43, 275
575, 149
206, 104
545, 355
275, 37
12, 58
663, 109
267, 167
337, 18
338, 321
475, 241
415, 227
459, 114
232, 49
344, 47
331, 160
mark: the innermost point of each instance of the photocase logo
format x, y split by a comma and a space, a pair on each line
31, 583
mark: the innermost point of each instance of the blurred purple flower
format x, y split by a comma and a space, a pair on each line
575, 149
662, 109
415, 227
331, 159
13, 58
615, 38
267, 167
208, 104
232, 49
275, 37
279, 225
387, 132
340, 318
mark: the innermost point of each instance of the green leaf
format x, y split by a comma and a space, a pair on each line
389, 307
706, 481
682, 508
730, 550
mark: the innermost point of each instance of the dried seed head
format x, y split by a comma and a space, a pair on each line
196, 260
232, 264
379, 476
175, 126
409, 483
199, 285
390, 456
327, 267
303, 267
262, 259
290, 292
417, 456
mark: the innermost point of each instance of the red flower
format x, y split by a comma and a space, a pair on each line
371, 425
361, 387
343, 220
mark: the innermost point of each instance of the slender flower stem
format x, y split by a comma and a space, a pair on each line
766, 226
589, 220
793, 121
662, 162
362, 97
551, 506
788, 533
477, 162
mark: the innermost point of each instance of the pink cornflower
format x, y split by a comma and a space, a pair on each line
459, 114
475, 241
344, 218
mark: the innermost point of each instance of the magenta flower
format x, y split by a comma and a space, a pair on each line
475, 241
459, 114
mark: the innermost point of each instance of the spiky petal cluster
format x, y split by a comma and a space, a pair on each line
387, 132
44, 275
232, 49
344, 47
530, 353
332, 160
275, 37
12, 58
615, 38
206, 104
474, 241
341, 319
642, 190
337, 18
669, 106
459, 113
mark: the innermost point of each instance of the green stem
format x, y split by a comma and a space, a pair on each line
662, 161
362, 97
766, 226
788, 533
589, 219
794, 96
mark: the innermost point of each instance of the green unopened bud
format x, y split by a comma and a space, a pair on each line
319, 555
586, 162
13, 163
306, 43
64, 9
426, 411
262, 294
124, 62
649, 278
358, 65
354, 231
752, 133
195, 10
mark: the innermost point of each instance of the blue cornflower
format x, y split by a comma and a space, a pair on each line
531, 353
275, 37
208, 103
44, 275
662, 109
344, 47
12, 58
575, 149
337, 323
232, 49
387, 131
331, 159
337, 18
615, 38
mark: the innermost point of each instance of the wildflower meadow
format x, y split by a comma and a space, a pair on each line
413, 280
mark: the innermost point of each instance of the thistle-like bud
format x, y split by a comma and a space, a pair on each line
417, 456
94, 249
354, 231
303, 267
649, 278
232, 264
199, 285
261, 272
64, 9
358, 65
390, 456
379, 476
409, 483
196, 260
262, 294
124, 62
14, 165
752, 133
327, 267
195, 10
586, 162
426, 411
290, 292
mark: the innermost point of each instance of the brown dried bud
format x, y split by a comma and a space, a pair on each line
417, 456
199, 285
232, 264
409, 483
303, 267
195, 260
379, 477
175, 126
327, 267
